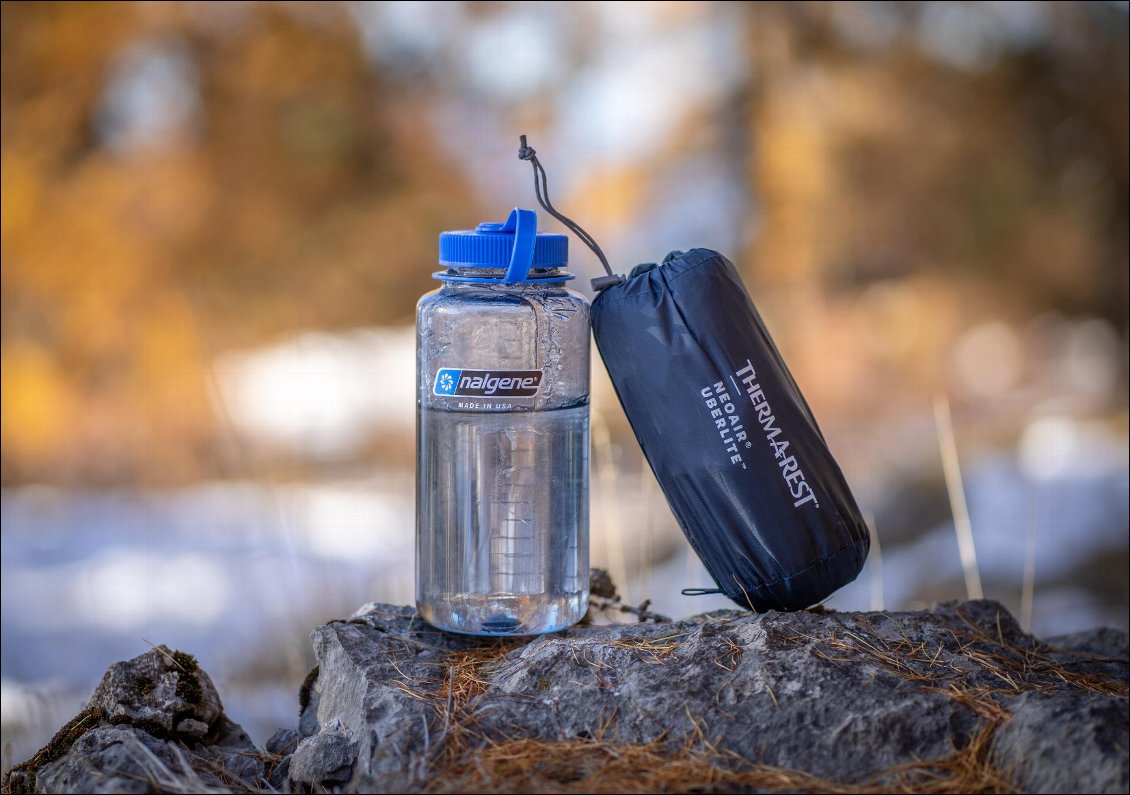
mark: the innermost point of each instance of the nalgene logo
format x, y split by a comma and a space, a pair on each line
487, 383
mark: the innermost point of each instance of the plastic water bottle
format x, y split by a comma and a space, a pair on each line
502, 448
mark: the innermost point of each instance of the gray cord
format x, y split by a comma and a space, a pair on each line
541, 189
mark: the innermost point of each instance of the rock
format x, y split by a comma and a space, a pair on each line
230, 751
359, 662
283, 742
155, 723
1103, 641
956, 698
154, 689
192, 729
279, 777
112, 759
325, 759
1066, 743
728, 700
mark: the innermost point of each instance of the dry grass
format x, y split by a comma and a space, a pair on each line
957, 665
456, 682
971, 768
597, 766
460, 680
730, 656
650, 650
464, 681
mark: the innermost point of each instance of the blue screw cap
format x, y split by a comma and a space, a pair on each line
514, 246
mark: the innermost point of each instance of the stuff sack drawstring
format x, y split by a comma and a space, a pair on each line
541, 190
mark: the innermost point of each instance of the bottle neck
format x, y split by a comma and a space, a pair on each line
539, 278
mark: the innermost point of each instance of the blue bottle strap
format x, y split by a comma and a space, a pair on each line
524, 225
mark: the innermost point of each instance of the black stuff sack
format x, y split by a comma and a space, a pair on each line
728, 434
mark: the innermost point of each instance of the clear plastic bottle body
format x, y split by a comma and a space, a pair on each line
502, 469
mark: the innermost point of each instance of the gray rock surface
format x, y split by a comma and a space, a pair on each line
861, 698
284, 742
956, 698
325, 759
1102, 641
162, 691
112, 759
155, 723
1066, 743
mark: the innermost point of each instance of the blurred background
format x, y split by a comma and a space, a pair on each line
217, 219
